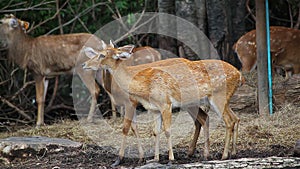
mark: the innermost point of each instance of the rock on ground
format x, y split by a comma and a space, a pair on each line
18, 147
297, 149
245, 163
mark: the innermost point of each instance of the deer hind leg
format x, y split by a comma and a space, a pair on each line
156, 132
88, 78
206, 134
236, 120
201, 119
231, 130
40, 98
222, 108
167, 120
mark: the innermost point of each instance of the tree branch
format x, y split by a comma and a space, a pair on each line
21, 89
53, 17
32, 8
135, 27
250, 11
78, 16
298, 20
15, 107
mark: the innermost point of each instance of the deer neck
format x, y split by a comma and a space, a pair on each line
18, 46
122, 75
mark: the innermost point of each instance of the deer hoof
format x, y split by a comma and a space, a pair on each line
38, 126
141, 160
191, 152
152, 161
117, 162
170, 162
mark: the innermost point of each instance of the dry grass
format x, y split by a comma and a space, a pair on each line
251, 78
261, 133
64, 129
255, 131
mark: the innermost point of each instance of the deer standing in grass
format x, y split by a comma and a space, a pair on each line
141, 55
163, 85
48, 56
121, 98
285, 50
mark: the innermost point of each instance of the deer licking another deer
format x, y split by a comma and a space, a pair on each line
141, 55
285, 50
163, 85
47, 56
121, 98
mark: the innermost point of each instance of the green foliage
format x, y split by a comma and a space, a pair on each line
91, 18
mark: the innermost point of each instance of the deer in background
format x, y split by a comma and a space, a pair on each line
141, 55
163, 85
48, 56
285, 50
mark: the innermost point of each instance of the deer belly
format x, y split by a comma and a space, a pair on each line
189, 102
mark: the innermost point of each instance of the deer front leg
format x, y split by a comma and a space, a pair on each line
113, 106
134, 128
127, 124
88, 78
126, 128
40, 98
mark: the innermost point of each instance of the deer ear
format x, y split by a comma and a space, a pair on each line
127, 48
90, 52
104, 46
111, 44
124, 55
24, 24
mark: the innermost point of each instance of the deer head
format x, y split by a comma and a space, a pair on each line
107, 57
10, 22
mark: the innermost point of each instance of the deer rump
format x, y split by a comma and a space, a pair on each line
284, 49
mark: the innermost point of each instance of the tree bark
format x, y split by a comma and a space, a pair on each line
187, 10
167, 43
239, 13
216, 20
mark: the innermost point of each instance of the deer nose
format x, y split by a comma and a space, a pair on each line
83, 65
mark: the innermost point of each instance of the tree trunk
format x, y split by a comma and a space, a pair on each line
201, 15
187, 10
167, 43
237, 29
217, 23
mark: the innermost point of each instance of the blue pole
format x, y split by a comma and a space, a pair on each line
269, 58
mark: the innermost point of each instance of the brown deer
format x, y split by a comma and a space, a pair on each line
285, 50
141, 55
163, 85
48, 56
121, 98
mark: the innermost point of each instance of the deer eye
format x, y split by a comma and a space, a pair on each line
101, 56
13, 23
115, 57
